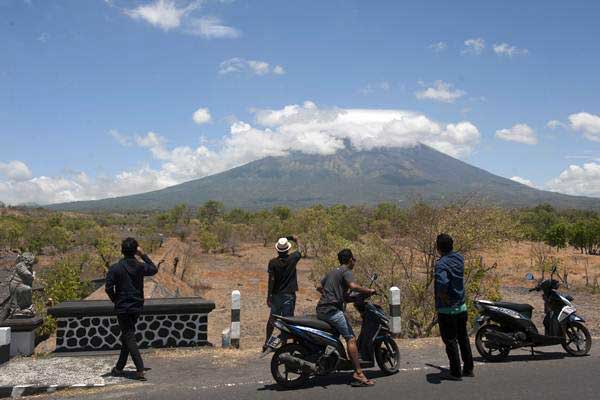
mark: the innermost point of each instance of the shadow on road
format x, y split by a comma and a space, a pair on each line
325, 381
126, 374
436, 378
537, 356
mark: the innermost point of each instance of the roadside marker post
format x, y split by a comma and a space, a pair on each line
235, 319
395, 310
4, 345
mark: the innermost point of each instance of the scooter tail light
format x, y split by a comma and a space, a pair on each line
281, 326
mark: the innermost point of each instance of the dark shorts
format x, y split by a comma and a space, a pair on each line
338, 320
283, 304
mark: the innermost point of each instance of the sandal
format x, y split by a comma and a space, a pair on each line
361, 382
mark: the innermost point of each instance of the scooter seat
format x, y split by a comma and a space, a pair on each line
524, 309
309, 321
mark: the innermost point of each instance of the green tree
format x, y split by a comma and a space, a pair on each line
208, 241
11, 232
210, 211
107, 247
282, 212
266, 227
557, 236
238, 216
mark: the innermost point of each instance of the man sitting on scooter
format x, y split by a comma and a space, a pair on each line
335, 286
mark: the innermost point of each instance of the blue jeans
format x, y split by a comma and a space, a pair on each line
283, 304
337, 319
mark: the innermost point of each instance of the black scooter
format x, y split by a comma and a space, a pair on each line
505, 326
315, 348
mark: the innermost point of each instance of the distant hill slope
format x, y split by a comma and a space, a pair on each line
399, 175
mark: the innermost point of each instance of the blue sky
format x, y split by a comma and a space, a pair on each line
97, 98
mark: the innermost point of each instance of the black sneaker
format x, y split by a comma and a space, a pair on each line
116, 372
469, 374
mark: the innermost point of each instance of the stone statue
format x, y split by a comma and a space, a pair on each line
21, 283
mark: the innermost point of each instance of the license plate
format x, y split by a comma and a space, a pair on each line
273, 342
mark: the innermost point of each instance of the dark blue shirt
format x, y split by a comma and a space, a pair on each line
449, 281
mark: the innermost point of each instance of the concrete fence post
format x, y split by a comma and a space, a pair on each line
395, 310
235, 318
4, 345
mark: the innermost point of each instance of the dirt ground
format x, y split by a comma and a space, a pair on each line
215, 276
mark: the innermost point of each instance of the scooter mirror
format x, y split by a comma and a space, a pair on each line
529, 276
374, 278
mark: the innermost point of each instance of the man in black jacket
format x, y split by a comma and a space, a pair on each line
125, 288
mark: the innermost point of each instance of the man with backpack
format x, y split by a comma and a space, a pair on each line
125, 288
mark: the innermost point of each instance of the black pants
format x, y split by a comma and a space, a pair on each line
453, 329
128, 342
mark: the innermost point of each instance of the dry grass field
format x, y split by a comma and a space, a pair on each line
214, 276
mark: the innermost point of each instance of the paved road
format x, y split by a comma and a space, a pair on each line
548, 375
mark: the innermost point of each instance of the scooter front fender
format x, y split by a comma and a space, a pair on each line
575, 318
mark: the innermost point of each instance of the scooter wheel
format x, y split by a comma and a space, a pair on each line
578, 341
285, 376
387, 355
488, 351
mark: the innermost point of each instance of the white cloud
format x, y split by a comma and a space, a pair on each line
383, 86
123, 140
586, 123
523, 181
278, 70
254, 67
520, 133
162, 13
504, 49
474, 46
306, 128
15, 170
578, 180
309, 128
555, 124
173, 15
212, 27
43, 37
202, 116
441, 91
438, 47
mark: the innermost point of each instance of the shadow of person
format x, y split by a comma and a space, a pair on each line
126, 374
344, 378
436, 378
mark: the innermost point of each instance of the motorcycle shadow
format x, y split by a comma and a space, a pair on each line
537, 356
340, 378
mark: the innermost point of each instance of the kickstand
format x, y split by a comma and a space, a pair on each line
532, 353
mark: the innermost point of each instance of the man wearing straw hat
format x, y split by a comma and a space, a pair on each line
283, 281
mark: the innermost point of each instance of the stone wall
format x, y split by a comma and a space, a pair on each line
92, 325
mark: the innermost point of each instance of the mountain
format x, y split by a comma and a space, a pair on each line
400, 175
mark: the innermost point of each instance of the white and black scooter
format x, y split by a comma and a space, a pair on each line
505, 326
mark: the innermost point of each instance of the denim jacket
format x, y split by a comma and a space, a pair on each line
449, 280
